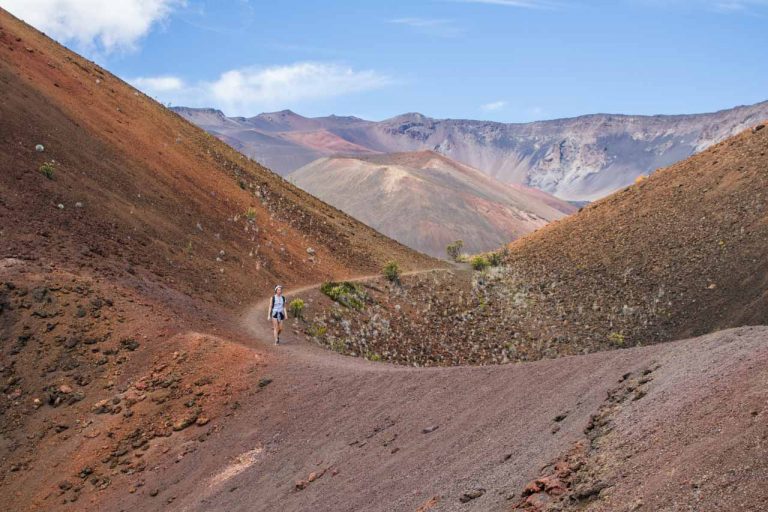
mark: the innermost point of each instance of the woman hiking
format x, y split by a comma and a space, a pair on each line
277, 312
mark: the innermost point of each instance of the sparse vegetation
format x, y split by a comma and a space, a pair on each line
242, 184
495, 259
296, 307
345, 293
47, 169
250, 214
617, 339
316, 330
479, 262
392, 272
454, 250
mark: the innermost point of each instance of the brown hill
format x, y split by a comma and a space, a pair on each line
127, 238
426, 201
123, 388
154, 189
677, 255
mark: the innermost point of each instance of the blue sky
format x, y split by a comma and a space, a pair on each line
503, 60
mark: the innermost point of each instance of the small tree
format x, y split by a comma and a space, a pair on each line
479, 262
392, 272
454, 249
296, 308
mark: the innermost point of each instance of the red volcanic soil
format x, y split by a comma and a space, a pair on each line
325, 141
137, 371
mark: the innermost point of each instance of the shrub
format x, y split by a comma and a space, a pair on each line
296, 307
242, 184
454, 249
250, 213
47, 169
616, 338
345, 293
392, 272
495, 259
479, 262
316, 330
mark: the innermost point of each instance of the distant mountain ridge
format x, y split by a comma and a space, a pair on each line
425, 200
580, 158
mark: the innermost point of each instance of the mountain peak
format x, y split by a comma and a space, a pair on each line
409, 116
281, 114
198, 110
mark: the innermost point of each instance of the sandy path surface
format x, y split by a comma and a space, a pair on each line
357, 435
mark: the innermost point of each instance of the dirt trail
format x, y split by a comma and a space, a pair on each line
293, 348
336, 433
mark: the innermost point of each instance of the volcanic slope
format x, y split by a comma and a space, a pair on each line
427, 201
128, 384
129, 238
579, 159
680, 254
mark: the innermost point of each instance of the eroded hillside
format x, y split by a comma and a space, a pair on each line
679, 254
129, 240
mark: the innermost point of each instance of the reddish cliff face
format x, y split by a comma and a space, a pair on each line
579, 159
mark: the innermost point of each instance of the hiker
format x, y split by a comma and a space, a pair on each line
277, 312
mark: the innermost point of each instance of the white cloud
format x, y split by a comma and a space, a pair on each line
248, 91
495, 105
748, 7
108, 26
737, 5
158, 84
525, 4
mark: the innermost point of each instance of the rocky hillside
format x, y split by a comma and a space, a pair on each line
130, 240
582, 158
679, 254
426, 201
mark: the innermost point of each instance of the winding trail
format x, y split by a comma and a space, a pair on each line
293, 348
388, 438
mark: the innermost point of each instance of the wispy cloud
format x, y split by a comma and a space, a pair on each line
735, 6
495, 105
90, 23
431, 26
748, 7
524, 4
251, 90
159, 83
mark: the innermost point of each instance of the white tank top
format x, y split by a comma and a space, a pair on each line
277, 304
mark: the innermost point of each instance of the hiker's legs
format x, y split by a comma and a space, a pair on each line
275, 329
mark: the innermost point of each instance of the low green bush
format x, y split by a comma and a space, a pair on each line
616, 339
454, 250
296, 307
479, 262
495, 259
47, 170
316, 330
345, 293
392, 272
